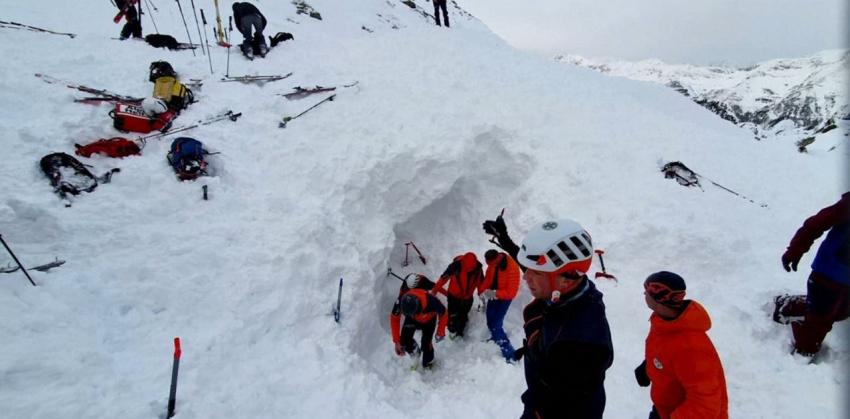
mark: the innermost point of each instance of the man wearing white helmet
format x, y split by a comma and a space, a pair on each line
568, 347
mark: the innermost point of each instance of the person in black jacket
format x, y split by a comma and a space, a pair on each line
133, 27
567, 346
251, 24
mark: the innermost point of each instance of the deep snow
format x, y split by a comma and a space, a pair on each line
445, 128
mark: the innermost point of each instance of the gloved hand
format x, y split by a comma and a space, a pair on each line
641, 376
790, 259
398, 349
439, 338
519, 353
487, 295
496, 227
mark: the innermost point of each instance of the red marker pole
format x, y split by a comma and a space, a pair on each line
172, 396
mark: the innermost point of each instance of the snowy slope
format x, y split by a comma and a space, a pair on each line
445, 128
797, 98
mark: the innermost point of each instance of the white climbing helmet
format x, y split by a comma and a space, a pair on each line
557, 246
411, 280
154, 106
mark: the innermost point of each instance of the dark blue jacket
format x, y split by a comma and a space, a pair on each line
568, 348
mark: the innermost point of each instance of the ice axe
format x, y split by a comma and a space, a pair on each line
603, 274
406, 253
390, 272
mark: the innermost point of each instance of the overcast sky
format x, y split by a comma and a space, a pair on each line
733, 32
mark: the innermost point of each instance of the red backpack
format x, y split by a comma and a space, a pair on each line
130, 117
112, 147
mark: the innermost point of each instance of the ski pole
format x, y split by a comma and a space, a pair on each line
337, 312
172, 394
229, 32
153, 4
15, 258
286, 119
209, 54
603, 274
197, 25
150, 14
186, 26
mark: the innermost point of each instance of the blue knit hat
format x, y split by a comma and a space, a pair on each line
666, 287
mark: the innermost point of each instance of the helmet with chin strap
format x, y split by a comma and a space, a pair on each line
557, 247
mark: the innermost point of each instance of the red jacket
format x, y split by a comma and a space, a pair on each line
465, 274
503, 276
431, 307
686, 373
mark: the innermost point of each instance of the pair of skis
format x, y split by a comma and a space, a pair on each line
99, 94
299, 92
254, 79
16, 25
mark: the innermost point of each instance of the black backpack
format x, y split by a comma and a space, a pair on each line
74, 181
159, 69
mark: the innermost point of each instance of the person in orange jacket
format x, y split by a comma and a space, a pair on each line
422, 311
463, 275
500, 286
681, 363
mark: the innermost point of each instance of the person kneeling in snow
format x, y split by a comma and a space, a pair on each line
500, 286
247, 16
680, 363
568, 347
422, 311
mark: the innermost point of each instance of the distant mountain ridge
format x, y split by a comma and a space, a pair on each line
801, 97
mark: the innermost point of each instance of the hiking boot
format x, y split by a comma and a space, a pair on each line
783, 305
247, 51
263, 50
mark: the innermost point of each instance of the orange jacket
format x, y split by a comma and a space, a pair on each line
431, 307
503, 276
465, 275
686, 374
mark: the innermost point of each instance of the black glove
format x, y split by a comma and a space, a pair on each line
496, 227
641, 375
519, 353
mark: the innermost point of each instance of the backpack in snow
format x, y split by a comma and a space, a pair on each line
128, 117
161, 41
68, 176
279, 37
175, 94
681, 173
112, 147
187, 158
160, 68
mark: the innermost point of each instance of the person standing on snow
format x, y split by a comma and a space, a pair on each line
500, 286
828, 289
441, 5
463, 275
681, 363
133, 27
251, 24
422, 311
568, 347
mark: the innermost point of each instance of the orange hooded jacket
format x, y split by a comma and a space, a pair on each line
686, 373
431, 307
503, 276
465, 275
